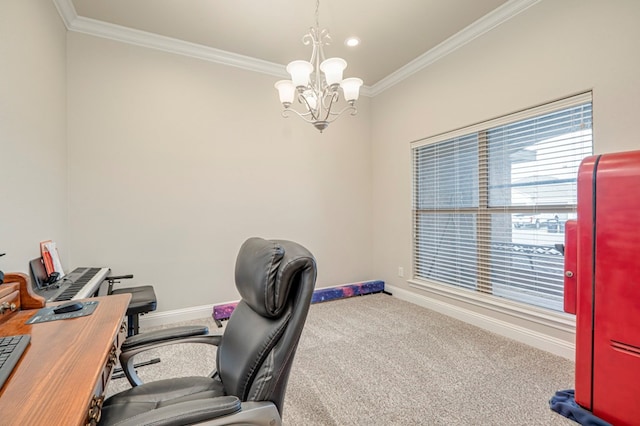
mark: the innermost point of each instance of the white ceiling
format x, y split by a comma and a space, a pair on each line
393, 33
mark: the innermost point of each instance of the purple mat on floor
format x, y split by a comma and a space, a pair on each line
223, 312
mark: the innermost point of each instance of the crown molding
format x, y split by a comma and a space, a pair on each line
93, 27
456, 41
67, 11
173, 45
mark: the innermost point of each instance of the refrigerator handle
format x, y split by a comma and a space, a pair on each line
570, 264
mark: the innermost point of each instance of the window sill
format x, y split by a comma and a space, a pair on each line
547, 318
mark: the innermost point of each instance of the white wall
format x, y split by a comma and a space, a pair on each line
33, 150
550, 51
175, 161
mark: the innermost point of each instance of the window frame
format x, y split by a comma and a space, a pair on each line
483, 296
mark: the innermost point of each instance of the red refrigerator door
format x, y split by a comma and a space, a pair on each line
616, 305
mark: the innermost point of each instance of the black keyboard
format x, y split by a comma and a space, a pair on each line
11, 350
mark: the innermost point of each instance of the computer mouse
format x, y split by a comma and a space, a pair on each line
68, 307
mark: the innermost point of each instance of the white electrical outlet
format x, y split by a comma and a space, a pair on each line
400, 271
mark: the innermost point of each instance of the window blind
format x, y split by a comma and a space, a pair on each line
491, 203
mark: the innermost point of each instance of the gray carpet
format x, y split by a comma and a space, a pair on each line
377, 360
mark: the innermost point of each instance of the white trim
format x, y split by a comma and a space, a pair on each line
67, 12
93, 27
173, 45
483, 25
524, 335
556, 320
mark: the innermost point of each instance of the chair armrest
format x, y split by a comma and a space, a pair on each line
164, 335
119, 277
185, 413
154, 339
112, 280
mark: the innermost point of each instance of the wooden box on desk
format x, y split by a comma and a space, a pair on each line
17, 288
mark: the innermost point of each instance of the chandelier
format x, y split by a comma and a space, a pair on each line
316, 83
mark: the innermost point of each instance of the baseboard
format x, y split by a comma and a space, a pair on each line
521, 334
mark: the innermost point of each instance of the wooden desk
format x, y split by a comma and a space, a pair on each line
64, 371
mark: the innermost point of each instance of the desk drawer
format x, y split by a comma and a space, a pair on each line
95, 405
9, 300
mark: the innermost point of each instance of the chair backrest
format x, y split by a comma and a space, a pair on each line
276, 280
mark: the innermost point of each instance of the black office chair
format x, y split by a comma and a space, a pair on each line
275, 280
143, 301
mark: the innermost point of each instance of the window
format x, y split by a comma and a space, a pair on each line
491, 201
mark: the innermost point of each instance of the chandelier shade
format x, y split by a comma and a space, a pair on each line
316, 84
300, 72
287, 92
351, 88
332, 69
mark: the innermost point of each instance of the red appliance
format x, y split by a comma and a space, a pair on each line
602, 286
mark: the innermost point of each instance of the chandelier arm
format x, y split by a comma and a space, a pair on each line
304, 116
311, 111
333, 98
329, 119
335, 115
316, 57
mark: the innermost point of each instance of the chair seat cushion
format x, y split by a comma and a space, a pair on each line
161, 393
143, 299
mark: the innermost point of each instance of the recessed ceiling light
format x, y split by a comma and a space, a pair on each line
352, 41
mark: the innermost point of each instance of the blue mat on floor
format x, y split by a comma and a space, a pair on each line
564, 402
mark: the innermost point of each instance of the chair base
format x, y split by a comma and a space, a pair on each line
118, 372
